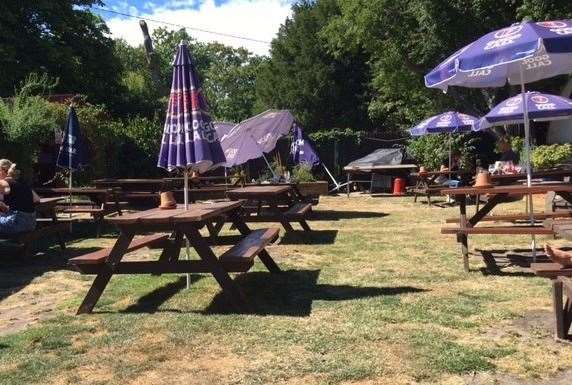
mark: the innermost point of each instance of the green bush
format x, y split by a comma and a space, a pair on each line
431, 150
26, 121
550, 156
302, 173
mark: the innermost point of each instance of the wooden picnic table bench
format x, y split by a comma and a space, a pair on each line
47, 224
101, 202
179, 223
278, 203
518, 217
425, 182
561, 296
497, 195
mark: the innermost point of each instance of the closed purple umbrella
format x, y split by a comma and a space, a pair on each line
190, 140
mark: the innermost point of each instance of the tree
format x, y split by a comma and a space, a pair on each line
61, 38
405, 40
321, 89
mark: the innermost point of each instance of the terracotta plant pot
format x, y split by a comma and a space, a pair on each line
483, 180
168, 201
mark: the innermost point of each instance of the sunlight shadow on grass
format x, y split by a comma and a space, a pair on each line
292, 292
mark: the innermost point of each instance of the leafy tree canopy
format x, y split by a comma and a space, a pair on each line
61, 38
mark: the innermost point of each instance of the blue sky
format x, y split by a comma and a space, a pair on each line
233, 17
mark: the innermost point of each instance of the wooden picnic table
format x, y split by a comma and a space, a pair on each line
504, 179
425, 182
101, 201
179, 223
497, 195
282, 202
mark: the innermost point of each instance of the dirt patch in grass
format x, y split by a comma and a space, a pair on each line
39, 300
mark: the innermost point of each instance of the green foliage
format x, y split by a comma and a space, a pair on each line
337, 134
517, 144
301, 75
405, 40
27, 120
432, 150
61, 38
543, 157
302, 173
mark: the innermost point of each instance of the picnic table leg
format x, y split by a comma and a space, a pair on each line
103, 277
243, 228
229, 287
281, 217
463, 238
559, 331
172, 249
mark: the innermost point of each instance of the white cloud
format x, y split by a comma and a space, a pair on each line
256, 19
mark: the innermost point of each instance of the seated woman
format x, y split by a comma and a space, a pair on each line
17, 210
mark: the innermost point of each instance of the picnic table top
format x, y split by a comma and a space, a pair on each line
49, 201
260, 190
535, 174
438, 173
73, 190
551, 270
380, 167
197, 212
509, 189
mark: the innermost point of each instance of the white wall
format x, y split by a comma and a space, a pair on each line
560, 131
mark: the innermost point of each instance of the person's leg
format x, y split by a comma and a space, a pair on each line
7, 222
24, 222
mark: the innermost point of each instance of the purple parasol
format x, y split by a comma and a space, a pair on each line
540, 107
541, 50
190, 141
447, 122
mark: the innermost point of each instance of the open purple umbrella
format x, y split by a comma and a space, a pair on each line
541, 107
190, 140
520, 54
447, 122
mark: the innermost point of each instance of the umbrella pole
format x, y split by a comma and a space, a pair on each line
527, 157
331, 176
186, 201
269, 166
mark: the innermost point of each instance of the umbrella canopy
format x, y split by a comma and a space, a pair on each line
522, 53
448, 122
266, 128
301, 150
253, 137
540, 107
190, 140
223, 128
72, 153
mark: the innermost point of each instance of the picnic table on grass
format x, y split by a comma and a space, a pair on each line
561, 281
46, 224
425, 182
498, 195
100, 201
167, 229
277, 203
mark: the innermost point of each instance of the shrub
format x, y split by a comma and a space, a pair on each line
302, 173
550, 156
431, 150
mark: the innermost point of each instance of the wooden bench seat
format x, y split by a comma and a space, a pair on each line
240, 257
82, 210
99, 257
43, 229
518, 217
506, 230
298, 211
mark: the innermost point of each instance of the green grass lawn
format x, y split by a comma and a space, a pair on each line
376, 295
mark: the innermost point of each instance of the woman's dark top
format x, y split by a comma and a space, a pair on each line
509, 156
20, 197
